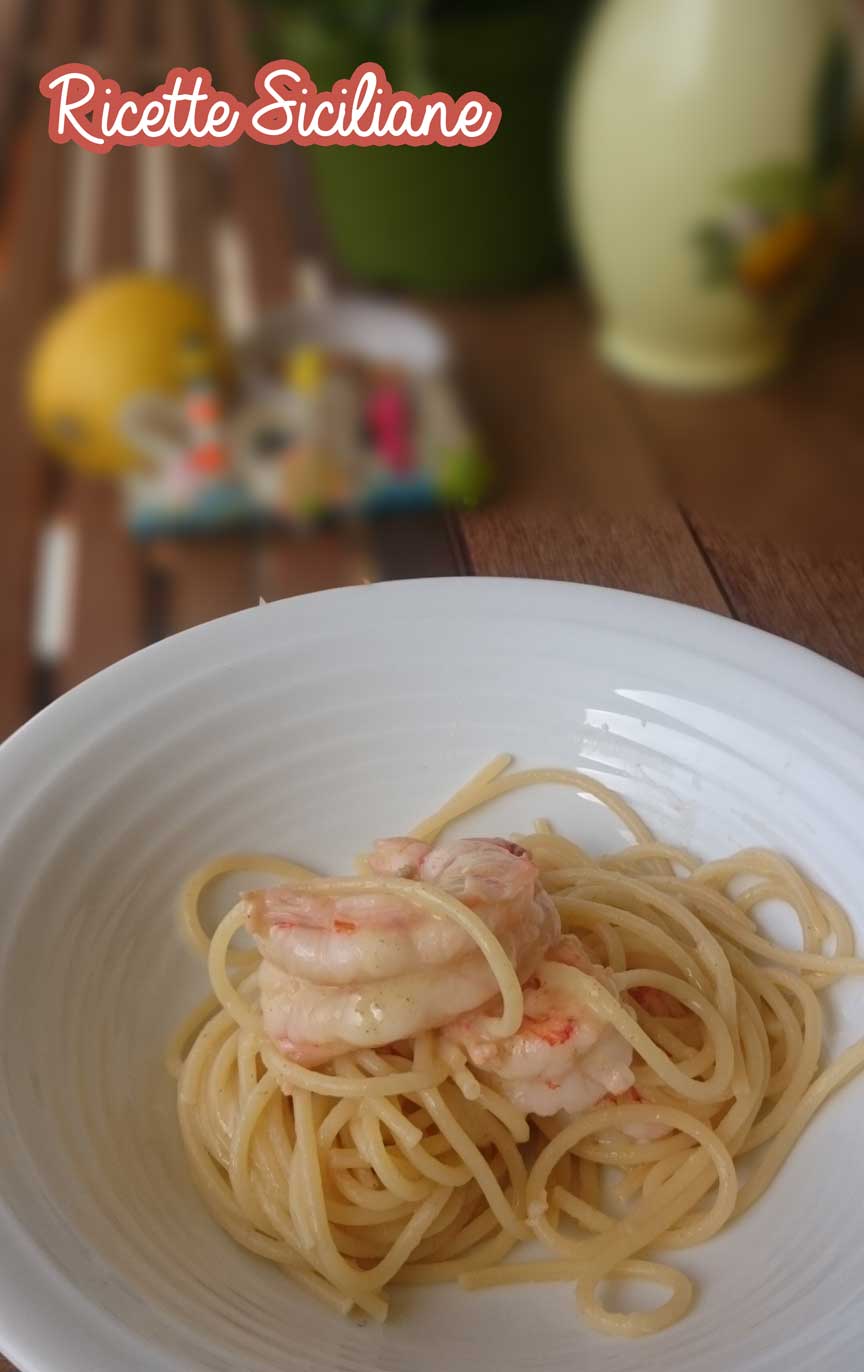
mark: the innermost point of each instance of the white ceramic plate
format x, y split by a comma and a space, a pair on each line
310, 727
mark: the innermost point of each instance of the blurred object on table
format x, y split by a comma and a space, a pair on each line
339, 406
124, 338
441, 219
712, 152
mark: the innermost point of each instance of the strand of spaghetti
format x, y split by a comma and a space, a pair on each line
294, 1077
590, 992
765, 985
402, 1129
473, 1090
713, 908
472, 796
577, 908
760, 861
443, 1173
637, 1322
429, 828
239, 1009
848, 1065
247, 1064
630, 1325
804, 1065
371, 1303
219, 1197
466, 1149
239, 1172
453, 1269
705, 942
469, 1237
456, 1061
652, 1215
386, 1168
432, 899
218, 1100
701, 1225
190, 898
552, 852
589, 1216
181, 1040
335, 1121
626, 1154
341, 1273
649, 852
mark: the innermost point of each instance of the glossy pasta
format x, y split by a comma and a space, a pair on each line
403, 1165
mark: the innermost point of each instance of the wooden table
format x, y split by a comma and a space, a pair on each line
545, 405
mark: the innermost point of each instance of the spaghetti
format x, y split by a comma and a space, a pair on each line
405, 1164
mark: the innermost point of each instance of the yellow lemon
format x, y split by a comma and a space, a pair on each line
126, 336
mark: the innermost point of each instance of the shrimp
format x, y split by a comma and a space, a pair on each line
563, 1057
345, 972
345, 940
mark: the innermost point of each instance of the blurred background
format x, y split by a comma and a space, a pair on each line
623, 342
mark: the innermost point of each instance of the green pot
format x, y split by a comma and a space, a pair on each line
446, 219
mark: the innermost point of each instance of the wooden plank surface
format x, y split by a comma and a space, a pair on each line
204, 578
551, 415
782, 461
654, 553
584, 503
32, 285
814, 600
256, 189
108, 609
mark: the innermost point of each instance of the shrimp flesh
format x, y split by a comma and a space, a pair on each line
359, 971
564, 1056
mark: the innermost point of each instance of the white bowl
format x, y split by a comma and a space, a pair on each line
308, 728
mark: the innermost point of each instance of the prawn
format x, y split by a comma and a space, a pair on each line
563, 1056
357, 971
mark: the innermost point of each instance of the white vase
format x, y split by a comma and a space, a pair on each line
710, 146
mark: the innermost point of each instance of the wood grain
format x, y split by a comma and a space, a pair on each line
782, 462
317, 561
180, 41
109, 609
204, 578
584, 500
256, 195
32, 286
815, 601
653, 553
207, 577
551, 415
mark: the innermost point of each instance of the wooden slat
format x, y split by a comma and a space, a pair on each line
32, 287
215, 576
109, 608
782, 461
181, 42
654, 553
256, 204
317, 561
585, 501
816, 601
551, 414
255, 186
15, 16
426, 543
206, 577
